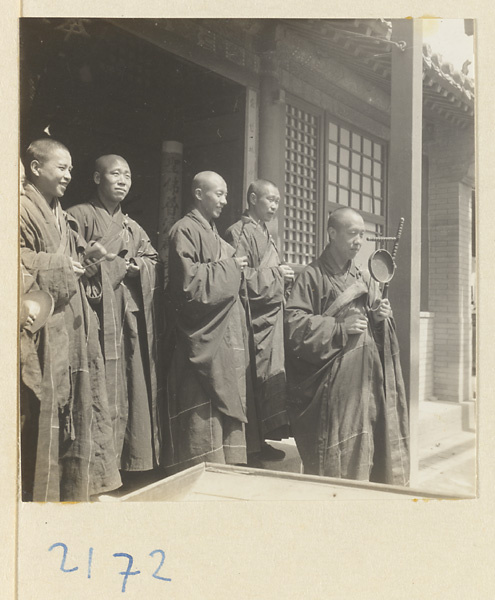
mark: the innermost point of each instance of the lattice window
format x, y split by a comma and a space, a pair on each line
301, 157
355, 170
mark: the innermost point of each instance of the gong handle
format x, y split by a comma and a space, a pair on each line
397, 238
381, 239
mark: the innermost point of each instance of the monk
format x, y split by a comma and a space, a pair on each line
266, 278
347, 405
125, 295
206, 387
64, 401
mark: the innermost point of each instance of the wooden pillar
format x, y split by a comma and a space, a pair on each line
404, 193
170, 196
271, 154
250, 141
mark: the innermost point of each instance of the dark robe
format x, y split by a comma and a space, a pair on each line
128, 309
75, 456
206, 384
265, 318
30, 392
347, 404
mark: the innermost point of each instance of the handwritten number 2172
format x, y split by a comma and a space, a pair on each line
126, 573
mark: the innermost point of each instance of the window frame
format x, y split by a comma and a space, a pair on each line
323, 204
367, 216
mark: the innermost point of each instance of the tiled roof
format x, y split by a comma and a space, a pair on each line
446, 89
365, 45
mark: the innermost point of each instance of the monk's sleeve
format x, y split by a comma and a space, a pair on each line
265, 284
200, 288
146, 258
53, 272
115, 270
150, 278
80, 241
309, 335
28, 282
145, 249
78, 222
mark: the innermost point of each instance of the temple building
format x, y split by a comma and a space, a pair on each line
338, 112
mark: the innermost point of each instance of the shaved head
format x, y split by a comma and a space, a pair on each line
263, 199
48, 166
107, 161
346, 231
341, 216
258, 187
205, 180
209, 191
41, 150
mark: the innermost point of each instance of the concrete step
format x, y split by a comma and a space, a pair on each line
439, 420
447, 447
449, 466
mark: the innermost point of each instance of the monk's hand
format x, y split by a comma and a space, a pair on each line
384, 310
132, 268
355, 324
287, 272
89, 268
30, 310
95, 253
78, 268
242, 261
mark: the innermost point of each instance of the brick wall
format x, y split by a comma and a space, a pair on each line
451, 154
426, 355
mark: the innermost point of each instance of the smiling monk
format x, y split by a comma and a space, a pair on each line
64, 403
206, 388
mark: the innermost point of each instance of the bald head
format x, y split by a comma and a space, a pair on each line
48, 166
204, 180
263, 200
258, 187
106, 162
341, 216
41, 151
113, 179
209, 192
346, 232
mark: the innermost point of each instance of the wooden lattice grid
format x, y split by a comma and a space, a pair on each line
301, 156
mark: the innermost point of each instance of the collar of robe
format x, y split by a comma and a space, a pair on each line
98, 202
196, 215
332, 268
249, 219
54, 207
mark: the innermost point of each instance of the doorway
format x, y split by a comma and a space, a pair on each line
104, 90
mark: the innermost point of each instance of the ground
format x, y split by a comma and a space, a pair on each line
447, 457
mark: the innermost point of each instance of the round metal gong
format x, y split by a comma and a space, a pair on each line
381, 265
42, 304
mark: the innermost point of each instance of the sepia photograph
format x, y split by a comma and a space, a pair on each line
247, 260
